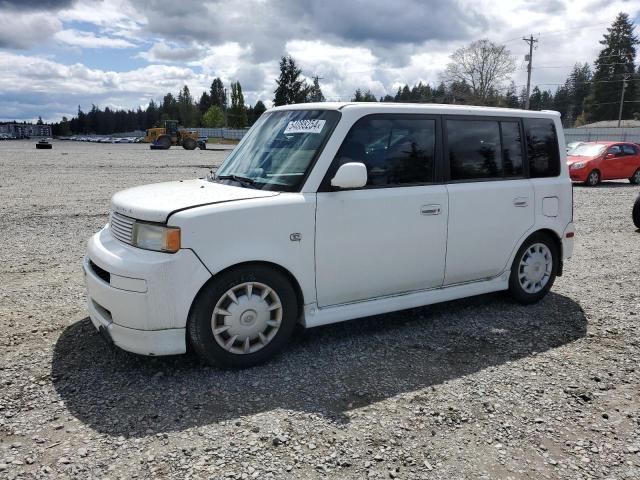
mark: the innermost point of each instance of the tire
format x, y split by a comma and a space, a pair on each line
243, 317
593, 178
189, 144
522, 285
635, 178
636, 213
163, 142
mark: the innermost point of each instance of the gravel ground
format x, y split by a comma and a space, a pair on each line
477, 388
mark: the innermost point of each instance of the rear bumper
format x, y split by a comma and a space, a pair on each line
141, 299
567, 241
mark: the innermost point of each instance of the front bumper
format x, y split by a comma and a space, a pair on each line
579, 175
138, 298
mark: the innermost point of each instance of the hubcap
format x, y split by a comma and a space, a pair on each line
637, 176
593, 178
534, 270
246, 318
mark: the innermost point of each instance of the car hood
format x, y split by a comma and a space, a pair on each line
574, 159
156, 202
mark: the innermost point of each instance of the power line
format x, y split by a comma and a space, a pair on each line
570, 66
555, 32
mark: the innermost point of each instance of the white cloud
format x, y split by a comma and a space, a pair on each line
82, 39
350, 44
163, 52
30, 77
115, 14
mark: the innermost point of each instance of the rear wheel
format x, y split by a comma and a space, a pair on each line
189, 143
534, 269
635, 178
244, 317
593, 178
636, 212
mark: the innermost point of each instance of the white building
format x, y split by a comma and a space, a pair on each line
24, 130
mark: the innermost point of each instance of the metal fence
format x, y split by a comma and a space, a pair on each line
228, 133
593, 134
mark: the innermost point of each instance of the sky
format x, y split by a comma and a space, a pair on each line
58, 54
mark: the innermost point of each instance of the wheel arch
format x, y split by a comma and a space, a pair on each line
554, 236
292, 279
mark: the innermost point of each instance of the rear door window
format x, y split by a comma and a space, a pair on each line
628, 149
542, 147
484, 149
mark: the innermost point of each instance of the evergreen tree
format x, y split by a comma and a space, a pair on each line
39, 122
237, 114
367, 96
615, 63
535, 100
204, 103
291, 88
169, 107
218, 94
187, 113
511, 99
315, 92
153, 115
546, 100
257, 110
65, 127
580, 86
562, 103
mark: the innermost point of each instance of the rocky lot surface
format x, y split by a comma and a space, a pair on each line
478, 388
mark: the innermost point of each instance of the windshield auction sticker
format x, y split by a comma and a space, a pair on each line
304, 126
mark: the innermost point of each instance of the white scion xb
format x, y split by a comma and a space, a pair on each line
329, 212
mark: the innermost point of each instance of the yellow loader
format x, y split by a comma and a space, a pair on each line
163, 137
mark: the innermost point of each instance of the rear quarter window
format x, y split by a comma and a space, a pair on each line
542, 147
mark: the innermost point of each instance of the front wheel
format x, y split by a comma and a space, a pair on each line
593, 178
244, 317
534, 269
635, 178
189, 143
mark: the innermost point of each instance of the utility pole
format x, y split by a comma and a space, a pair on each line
529, 58
624, 87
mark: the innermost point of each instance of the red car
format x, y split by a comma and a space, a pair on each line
592, 162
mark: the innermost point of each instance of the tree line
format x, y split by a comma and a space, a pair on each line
477, 74
215, 109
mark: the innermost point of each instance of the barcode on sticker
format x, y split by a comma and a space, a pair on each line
304, 126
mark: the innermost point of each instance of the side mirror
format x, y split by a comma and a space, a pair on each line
610, 155
350, 175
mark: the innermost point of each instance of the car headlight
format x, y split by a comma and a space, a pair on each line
152, 236
577, 165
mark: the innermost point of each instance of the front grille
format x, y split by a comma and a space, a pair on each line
100, 272
121, 227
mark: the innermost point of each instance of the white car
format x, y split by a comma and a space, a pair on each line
329, 212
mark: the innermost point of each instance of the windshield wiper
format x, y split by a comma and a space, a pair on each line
245, 181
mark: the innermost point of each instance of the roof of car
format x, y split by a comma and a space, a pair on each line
426, 107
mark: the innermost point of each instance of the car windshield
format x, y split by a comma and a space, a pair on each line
588, 150
277, 152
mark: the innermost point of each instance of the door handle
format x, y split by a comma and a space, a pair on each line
520, 201
430, 210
